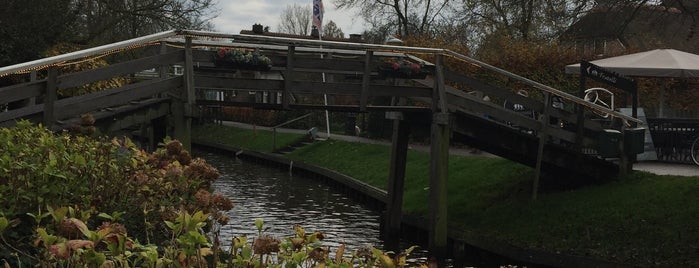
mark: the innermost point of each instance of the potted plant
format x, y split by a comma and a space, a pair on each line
242, 59
402, 68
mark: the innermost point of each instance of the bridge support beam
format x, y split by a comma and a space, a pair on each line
439, 165
396, 181
182, 109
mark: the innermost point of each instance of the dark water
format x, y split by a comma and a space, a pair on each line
283, 201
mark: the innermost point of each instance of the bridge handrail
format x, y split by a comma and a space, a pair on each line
446, 52
45, 62
41, 63
543, 87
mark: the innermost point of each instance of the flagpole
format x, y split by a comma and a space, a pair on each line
325, 96
318, 11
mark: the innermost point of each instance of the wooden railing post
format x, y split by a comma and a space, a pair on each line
182, 109
366, 78
288, 77
396, 181
543, 138
439, 164
50, 96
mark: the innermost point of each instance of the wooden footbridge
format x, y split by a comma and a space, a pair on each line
167, 79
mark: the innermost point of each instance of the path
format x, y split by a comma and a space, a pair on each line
659, 168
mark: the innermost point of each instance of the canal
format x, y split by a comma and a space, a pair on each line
284, 200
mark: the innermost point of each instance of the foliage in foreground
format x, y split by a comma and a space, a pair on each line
74, 201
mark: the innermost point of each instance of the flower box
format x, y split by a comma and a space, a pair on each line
402, 69
242, 59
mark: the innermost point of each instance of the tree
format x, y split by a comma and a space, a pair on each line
29, 27
331, 30
105, 21
33, 26
522, 19
404, 17
295, 19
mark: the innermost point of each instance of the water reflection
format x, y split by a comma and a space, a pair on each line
283, 201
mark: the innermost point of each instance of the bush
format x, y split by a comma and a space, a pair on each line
53, 186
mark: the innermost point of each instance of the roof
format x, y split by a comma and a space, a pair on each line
641, 28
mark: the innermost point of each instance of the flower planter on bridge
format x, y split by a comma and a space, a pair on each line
402, 69
242, 60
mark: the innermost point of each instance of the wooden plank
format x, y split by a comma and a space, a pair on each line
20, 113
396, 180
22, 91
118, 96
334, 108
118, 111
439, 164
182, 110
440, 89
288, 76
543, 139
140, 117
119, 69
163, 68
366, 79
231, 83
50, 97
493, 91
329, 65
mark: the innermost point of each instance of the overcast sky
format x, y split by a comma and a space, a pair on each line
236, 15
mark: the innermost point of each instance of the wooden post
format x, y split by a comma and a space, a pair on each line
625, 164
288, 77
162, 70
543, 138
396, 181
182, 109
50, 97
32, 78
439, 164
366, 78
581, 116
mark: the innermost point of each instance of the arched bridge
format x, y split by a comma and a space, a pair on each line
166, 79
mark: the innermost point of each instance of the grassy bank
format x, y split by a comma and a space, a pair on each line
641, 219
255, 140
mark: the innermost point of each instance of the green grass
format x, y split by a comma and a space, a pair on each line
256, 140
642, 219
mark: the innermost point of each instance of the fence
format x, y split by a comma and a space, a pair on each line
672, 138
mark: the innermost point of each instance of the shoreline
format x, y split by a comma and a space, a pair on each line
458, 245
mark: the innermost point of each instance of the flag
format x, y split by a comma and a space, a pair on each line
318, 11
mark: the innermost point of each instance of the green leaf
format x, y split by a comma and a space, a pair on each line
3, 224
246, 252
81, 226
105, 216
259, 223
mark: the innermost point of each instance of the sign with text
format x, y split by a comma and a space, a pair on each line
605, 76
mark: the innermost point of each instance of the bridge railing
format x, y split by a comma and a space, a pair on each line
317, 44
342, 59
351, 69
57, 89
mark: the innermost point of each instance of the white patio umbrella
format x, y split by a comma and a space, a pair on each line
653, 63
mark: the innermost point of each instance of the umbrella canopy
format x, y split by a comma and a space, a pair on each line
655, 63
